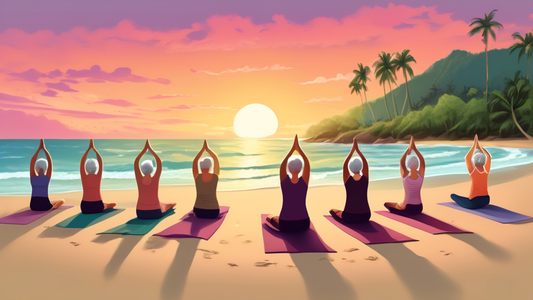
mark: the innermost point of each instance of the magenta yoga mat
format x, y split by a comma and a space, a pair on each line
424, 222
28, 216
192, 227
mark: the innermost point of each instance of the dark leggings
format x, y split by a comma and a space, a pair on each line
353, 218
206, 213
294, 225
149, 214
474, 203
40, 204
409, 210
92, 207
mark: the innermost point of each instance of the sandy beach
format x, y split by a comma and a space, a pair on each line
40, 261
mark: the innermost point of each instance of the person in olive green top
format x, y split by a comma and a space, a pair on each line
206, 205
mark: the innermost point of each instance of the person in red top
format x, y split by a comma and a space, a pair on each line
148, 205
91, 177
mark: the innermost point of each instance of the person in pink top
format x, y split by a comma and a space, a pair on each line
412, 177
148, 205
40, 175
91, 177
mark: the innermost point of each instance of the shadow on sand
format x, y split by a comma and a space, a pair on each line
124, 249
420, 276
487, 248
322, 280
155, 242
176, 277
59, 232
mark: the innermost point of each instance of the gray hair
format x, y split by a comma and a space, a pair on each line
206, 163
91, 166
41, 164
356, 164
147, 167
295, 164
412, 163
478, 159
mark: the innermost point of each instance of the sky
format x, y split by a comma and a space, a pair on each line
183, 69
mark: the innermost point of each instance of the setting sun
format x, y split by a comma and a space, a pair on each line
255, 121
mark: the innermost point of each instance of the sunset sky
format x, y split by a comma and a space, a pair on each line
183, 69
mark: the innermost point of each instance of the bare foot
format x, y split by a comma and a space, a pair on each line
269, 218
393, 205
109, 205
57, 203
167, 206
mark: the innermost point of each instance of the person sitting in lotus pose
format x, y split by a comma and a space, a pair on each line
206, 205
478, 162
91, 177
293, 216
356, 209
148, 205
40, 175
412, 183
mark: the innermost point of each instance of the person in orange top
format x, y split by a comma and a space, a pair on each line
148, 205
478, 163
91, 177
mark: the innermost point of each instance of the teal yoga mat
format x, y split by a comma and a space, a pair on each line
85, 220
137, 226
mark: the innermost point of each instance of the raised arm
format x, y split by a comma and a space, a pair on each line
216, 167
195, 171
49, 158
83, 160
136, 167
403, 169
366, 171
307, 166
158, 161
345, 169
99, 159
422, 169
283, 167
34, 159
489, 158
468, 157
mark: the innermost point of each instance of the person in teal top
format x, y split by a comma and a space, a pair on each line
40, 175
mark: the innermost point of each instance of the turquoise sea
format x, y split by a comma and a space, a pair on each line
245, 163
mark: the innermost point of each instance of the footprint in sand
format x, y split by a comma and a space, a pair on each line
291, 266
207, 253
351, 249
247, 241
238, 235
224, 242
75, 244
264, 264
348, 260
327, 258
372, 258
232, 265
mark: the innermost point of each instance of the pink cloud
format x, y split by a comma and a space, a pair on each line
31, 75
17, 124
60, 86
175, 121
49, 93
18, 99
117, 102
162, 81
96, 74
245, 69
69, 112
346, 77
183, 106
55, 73
170, 96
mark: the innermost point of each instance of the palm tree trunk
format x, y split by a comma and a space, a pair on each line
385, 99
393, 102
406, 93
362, 103
527, 77
487, 63
369, 106
520, 127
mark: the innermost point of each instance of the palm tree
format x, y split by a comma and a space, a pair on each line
435, 90
357, 87
401, 61
485, 26
525, 45
450, 88
362, 75
384, 70
516, 95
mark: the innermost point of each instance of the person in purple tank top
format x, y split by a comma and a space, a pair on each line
40, 175
293, 216
412, 183
356, 209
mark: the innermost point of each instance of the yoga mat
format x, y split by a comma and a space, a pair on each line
292, 242
371, 232
28, 216
85, 220
138, 226
423, 222
491, 212
193, 227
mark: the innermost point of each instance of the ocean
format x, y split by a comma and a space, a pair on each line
245, 163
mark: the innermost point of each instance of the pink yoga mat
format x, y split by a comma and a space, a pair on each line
423, 222
28, 216
193, 227
293, 242
370, 232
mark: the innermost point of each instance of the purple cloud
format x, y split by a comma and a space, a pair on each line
175, 121
69, 80
239, 30
60, 86
146, 43
169, 96
95, 74
55, 73
424, 15
49, 93
117, 102
197, 35
162, 81
403, 25
29, 75
17, 99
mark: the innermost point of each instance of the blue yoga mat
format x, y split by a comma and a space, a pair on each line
491, 212
137, 226
85, 220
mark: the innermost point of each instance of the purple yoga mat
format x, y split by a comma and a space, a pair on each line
491, 212
193, 227
293, 242
424, 222
371, 232
28, 216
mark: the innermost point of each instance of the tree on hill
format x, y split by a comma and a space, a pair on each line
362, 76
401, 61
525, 46
384, 71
